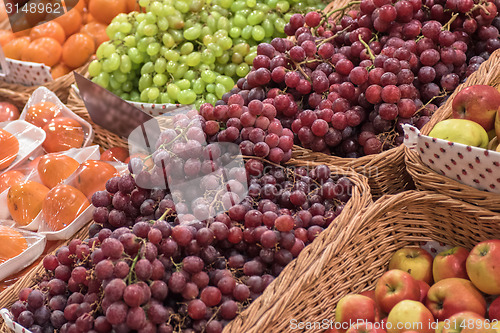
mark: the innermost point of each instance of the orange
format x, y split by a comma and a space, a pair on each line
105, 10
5, 37
45, 50
62, 206
9, 178
9, 148
63, 134
87, 18
71, 22
15, 48
115, 154
97, 31
12, 243
41, 113
92, 176
77, 50
24, 201
50, 29
54, 168
59, 70
35, 17
133, 5
78, 4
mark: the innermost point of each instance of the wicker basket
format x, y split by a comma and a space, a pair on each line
360, 254
10, 295
427, 179
360, 199
19, 99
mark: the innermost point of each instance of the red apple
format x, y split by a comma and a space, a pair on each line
459, 321
478, 103
394, 286
424, 289
8, 112
352, 308
415, 261
450, 263
366, 328
379, 313
450, 296
115, 154
410, 315
483, 266
494, 310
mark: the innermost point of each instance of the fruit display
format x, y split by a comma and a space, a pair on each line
9, 148
423, 294
8, 112
187, 52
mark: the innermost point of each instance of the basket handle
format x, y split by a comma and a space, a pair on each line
411, 136
4, 72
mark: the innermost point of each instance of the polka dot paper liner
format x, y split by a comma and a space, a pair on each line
472, 166
27, 73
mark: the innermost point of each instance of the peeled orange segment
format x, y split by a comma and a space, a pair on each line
62, 206
54, 168
10, 178
12, 243
9, 148
24, 201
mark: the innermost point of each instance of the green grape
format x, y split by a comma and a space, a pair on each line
279, 25
180, 71
245, 12
230, 70
223, 23
242, 48
150, 30
135, 96
223, 59
108, 50
196, 6
235, 32
150, 17
112, 29
199, 86
253, 49
256, 17
147, 68
129, 41
165, 99
125, 27
153, 93
221, 11
162, 23
127, 86
111, 64
183, 59
142, 44
113, 84
205, 31
102, 79
226, 81
153, 49
140, 17
160, 65
268, 28
207, 56
193, 32
211, 98
119, 76
249, 58
177, 35
263, 8
225, 43
135, 56
283, 6
272, 16
168, 40
160, 80
221, 34
181, 6
242, 70
238, 5
219, 68
187, 48
95, 67
240, 21
258, 33
125, 96
175, 21
183, 84
193, 59
238, 40
251, 3
199, 102
144, 3
144, 95
287, 17
216, 49
100, 51
171, 66
212, 22
186, 97
168, 10
191, 75
226, 3
125, 64
145, 81
203, 67
173, 91
119, 36
210, 87
208, 39
156, 8
208, 76
219, 90
246, 33
236, 58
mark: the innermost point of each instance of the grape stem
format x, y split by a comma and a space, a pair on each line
447, 25
341, 9
367, 47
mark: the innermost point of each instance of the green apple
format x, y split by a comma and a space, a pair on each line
461, 131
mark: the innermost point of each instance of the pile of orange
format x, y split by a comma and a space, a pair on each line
65, 42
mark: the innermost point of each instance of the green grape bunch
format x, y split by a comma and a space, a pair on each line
188, 51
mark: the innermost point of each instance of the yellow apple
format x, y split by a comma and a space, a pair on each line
461, 131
